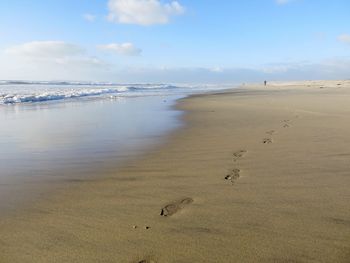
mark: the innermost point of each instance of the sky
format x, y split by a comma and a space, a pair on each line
183, 41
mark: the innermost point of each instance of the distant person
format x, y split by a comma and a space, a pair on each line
265, 83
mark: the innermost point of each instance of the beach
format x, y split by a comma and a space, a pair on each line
254, 174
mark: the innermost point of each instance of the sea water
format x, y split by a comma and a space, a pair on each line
56, 131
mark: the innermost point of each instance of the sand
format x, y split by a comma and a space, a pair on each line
256, 174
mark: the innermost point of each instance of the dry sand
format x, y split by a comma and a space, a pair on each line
257, 174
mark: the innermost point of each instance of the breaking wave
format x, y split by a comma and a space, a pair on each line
14, 92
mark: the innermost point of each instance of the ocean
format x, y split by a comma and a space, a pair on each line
52, 132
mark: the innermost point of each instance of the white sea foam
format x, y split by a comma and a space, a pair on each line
21, 96
14, 92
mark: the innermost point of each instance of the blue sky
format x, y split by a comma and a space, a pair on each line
174, 41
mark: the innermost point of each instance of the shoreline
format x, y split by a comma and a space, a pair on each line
253, 175
46, 161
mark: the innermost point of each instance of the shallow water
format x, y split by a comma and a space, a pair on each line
52, 133
52, 142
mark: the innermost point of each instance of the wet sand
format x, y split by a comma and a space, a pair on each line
256, 174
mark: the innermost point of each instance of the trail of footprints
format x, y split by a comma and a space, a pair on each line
234, 174
285, 124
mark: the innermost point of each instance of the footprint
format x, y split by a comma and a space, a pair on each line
270, 132
286, 123
239, 154
176, 206
267, 141
146, 261
234, 175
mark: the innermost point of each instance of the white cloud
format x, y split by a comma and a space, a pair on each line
127, 49
49, 60
89, 17
44, 50
143, 12
58, 60
334, 68
345, 38
216, 69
